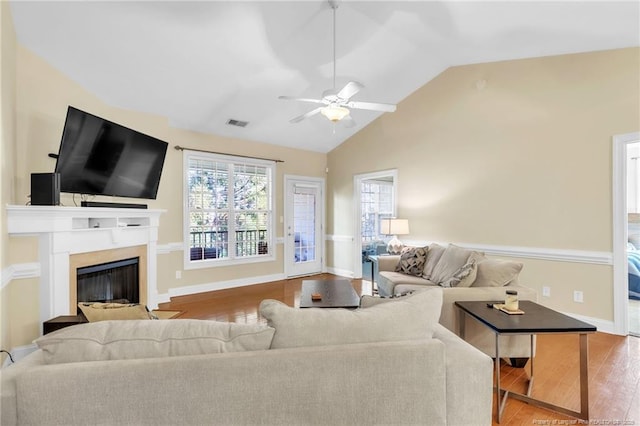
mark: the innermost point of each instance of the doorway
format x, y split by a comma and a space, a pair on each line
633, 236
626, 230
374, 198
304, 225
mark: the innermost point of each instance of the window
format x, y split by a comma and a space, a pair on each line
228, 213
377, 203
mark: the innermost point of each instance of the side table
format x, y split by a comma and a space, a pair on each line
61, 322
536, 319
374, 258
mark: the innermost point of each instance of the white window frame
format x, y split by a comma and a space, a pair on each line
229, 261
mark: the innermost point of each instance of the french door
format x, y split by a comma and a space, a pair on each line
304, 224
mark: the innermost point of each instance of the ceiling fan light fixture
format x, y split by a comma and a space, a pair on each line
334, 112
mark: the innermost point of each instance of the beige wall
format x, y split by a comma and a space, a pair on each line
523, 161
514, 153
7, 149
43, 94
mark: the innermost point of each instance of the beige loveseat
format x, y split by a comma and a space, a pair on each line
464, 275
388, 364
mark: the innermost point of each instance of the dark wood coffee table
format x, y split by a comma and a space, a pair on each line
536, 319
335, 294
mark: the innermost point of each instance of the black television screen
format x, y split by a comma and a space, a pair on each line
99, 157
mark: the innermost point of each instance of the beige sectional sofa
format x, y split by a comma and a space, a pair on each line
387, 364
464, 275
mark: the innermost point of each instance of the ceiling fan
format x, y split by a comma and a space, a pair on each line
338, 102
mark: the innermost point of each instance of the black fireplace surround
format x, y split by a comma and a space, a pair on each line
110, 282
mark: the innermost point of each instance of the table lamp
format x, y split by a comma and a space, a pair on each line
394, 227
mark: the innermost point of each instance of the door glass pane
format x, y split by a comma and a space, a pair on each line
304, 224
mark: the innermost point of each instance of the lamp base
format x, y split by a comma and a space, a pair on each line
394, 246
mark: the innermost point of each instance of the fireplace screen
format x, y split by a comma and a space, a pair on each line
110, 282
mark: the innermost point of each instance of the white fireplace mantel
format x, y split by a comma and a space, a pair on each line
64, 231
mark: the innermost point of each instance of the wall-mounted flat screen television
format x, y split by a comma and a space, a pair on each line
99, 157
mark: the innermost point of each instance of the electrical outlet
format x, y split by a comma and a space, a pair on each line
578, 296
178, 275
546, 291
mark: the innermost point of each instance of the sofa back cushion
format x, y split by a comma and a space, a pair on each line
466, 275
108, 340
434, 253
409, 318
496, 272
450, 262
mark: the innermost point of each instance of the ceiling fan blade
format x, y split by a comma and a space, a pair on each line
372, 106
291, 98
307, 115
350, 89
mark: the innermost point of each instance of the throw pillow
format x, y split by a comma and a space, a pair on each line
113, 311
496, 272
434, 253
109, 340
453, 258
466, 275
412, 260
408, 318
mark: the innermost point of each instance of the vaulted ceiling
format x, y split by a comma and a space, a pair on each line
203, 63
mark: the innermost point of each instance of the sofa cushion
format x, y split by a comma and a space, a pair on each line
412, 260
388, 280
410, 318
453, 258
400, 278
466, 275
367, 301
107, 340
113, 311
496, 272
434, 253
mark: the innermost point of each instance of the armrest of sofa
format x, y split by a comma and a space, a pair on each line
469, 380
9, 413
388, 262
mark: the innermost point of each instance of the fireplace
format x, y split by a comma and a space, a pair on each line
109, 282
108, 275
75, 237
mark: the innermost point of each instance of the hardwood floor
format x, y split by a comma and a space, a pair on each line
614, 361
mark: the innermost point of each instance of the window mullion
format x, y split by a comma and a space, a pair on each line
231, 224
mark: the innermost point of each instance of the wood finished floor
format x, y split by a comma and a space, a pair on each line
614, 361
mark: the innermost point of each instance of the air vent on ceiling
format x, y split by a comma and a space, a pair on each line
237, 123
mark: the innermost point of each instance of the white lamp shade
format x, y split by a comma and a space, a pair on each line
334, 112
394, 226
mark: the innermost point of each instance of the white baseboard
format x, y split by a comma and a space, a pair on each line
602, 325
220, 285
340, 272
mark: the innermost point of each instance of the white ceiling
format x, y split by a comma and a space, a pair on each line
202, 63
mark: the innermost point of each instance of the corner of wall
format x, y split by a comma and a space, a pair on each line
7, 150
